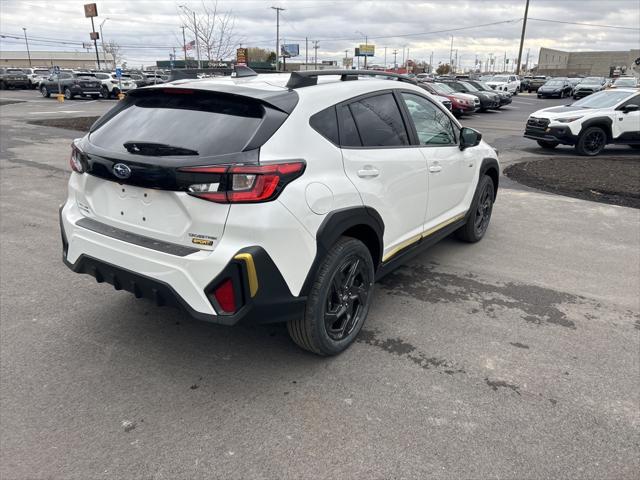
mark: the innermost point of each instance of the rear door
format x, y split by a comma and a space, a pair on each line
389, 173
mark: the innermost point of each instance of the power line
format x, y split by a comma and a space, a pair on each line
584, 24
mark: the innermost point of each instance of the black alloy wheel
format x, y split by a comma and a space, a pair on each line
483, 209
347, 298
592, 141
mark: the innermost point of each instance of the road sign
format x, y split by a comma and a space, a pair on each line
94, 36
90, 10
289, 50
118, 72
241, 56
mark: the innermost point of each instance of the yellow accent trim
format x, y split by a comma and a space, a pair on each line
419, 237
247, 258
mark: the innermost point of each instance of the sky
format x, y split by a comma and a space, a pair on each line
148, 29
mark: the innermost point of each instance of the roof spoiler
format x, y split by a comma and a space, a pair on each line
310, 77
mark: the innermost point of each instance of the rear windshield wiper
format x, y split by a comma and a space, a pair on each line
156, 149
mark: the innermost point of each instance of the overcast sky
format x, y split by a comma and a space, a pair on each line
147, 29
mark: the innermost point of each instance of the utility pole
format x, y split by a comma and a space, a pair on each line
315, 58
104, 51
403, 64
455, 63
407, 62
278, 10
184, 46
27, 43
451, 52
346, 56
195, 27
524, 27
95, 42
431, 63
395, 59
504, 63
385, 58
306, 51
526, 63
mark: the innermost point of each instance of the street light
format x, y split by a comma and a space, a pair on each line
187, 10
104, 52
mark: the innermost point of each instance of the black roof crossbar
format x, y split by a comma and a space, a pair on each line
310, 77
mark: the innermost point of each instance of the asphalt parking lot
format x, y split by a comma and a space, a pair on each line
517, 357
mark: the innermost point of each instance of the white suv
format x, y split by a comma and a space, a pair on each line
112, 85
505, 83
608, 116
273, 197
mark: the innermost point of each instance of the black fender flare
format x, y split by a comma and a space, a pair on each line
605, 122
491, 167
334, 226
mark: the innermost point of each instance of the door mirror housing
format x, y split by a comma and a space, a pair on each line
630, 108
469, 137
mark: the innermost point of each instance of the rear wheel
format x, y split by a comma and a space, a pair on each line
479, 213
561, 93
45, 91
104, 92
67, 93
591, 142
547, 145
339, 300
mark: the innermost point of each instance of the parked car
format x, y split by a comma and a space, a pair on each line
488, 100
138, 78
506, 83
505, 97
234, 220
111, 85
71, 84
461, 103
524, 82
574, 81
13, 78
555, 88
625, 82
154, 79
608, 116
589, 85
485, 78
35, 76
425, 76
536, 82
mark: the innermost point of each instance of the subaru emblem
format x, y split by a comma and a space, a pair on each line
121, 171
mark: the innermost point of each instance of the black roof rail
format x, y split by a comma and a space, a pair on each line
310, 77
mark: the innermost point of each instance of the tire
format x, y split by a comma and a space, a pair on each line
575, 97
529, 90
2, 86
45, 91
561, 93
515, 92
347, 270
67, 93
547, 145
591, 142
479, 213
635, 147
104, 92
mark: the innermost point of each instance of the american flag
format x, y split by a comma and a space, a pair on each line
190, 45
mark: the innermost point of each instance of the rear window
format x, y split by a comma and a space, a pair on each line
326, 124
207, 123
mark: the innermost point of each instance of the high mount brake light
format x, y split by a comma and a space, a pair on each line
245, 183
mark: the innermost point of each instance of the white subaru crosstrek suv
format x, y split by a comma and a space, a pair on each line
505, 83
112, 85
590, 124
268, 198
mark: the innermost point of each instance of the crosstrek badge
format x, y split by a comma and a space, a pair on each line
202, 241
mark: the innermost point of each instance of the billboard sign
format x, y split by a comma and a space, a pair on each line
241, 56
367, 50
289, 50
90, 10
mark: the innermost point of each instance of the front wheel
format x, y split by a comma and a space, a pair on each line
45, 91
104, 92
547, 145
591, 142
479, 213
67, 93
339, 300
562, 94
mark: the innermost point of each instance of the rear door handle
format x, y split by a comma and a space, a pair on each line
368, 172
435, 168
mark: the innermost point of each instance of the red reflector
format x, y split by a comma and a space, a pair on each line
225, 296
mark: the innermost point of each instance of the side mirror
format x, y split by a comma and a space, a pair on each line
630, 108
469, 137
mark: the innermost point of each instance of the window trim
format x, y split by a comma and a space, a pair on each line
456, 127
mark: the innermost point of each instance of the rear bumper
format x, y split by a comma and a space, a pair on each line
261, 293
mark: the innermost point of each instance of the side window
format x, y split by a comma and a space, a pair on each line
433, 126
64, 76
379, 121
326, 124
632, 101
349, 136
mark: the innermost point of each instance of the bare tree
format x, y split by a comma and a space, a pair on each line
113, 49
215, 29
258, 54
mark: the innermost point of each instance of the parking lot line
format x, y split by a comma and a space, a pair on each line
56, 111
523, 103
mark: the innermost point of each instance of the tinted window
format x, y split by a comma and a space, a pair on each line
208, 123
379, 121
632, 101
349, 136
326, 124
432, 125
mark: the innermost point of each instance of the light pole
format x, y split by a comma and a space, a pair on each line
104, 52
187, 10
524, 28
27, 43
278, 10
365, 43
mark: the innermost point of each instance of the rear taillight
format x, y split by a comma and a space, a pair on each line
76, 161
244, 183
